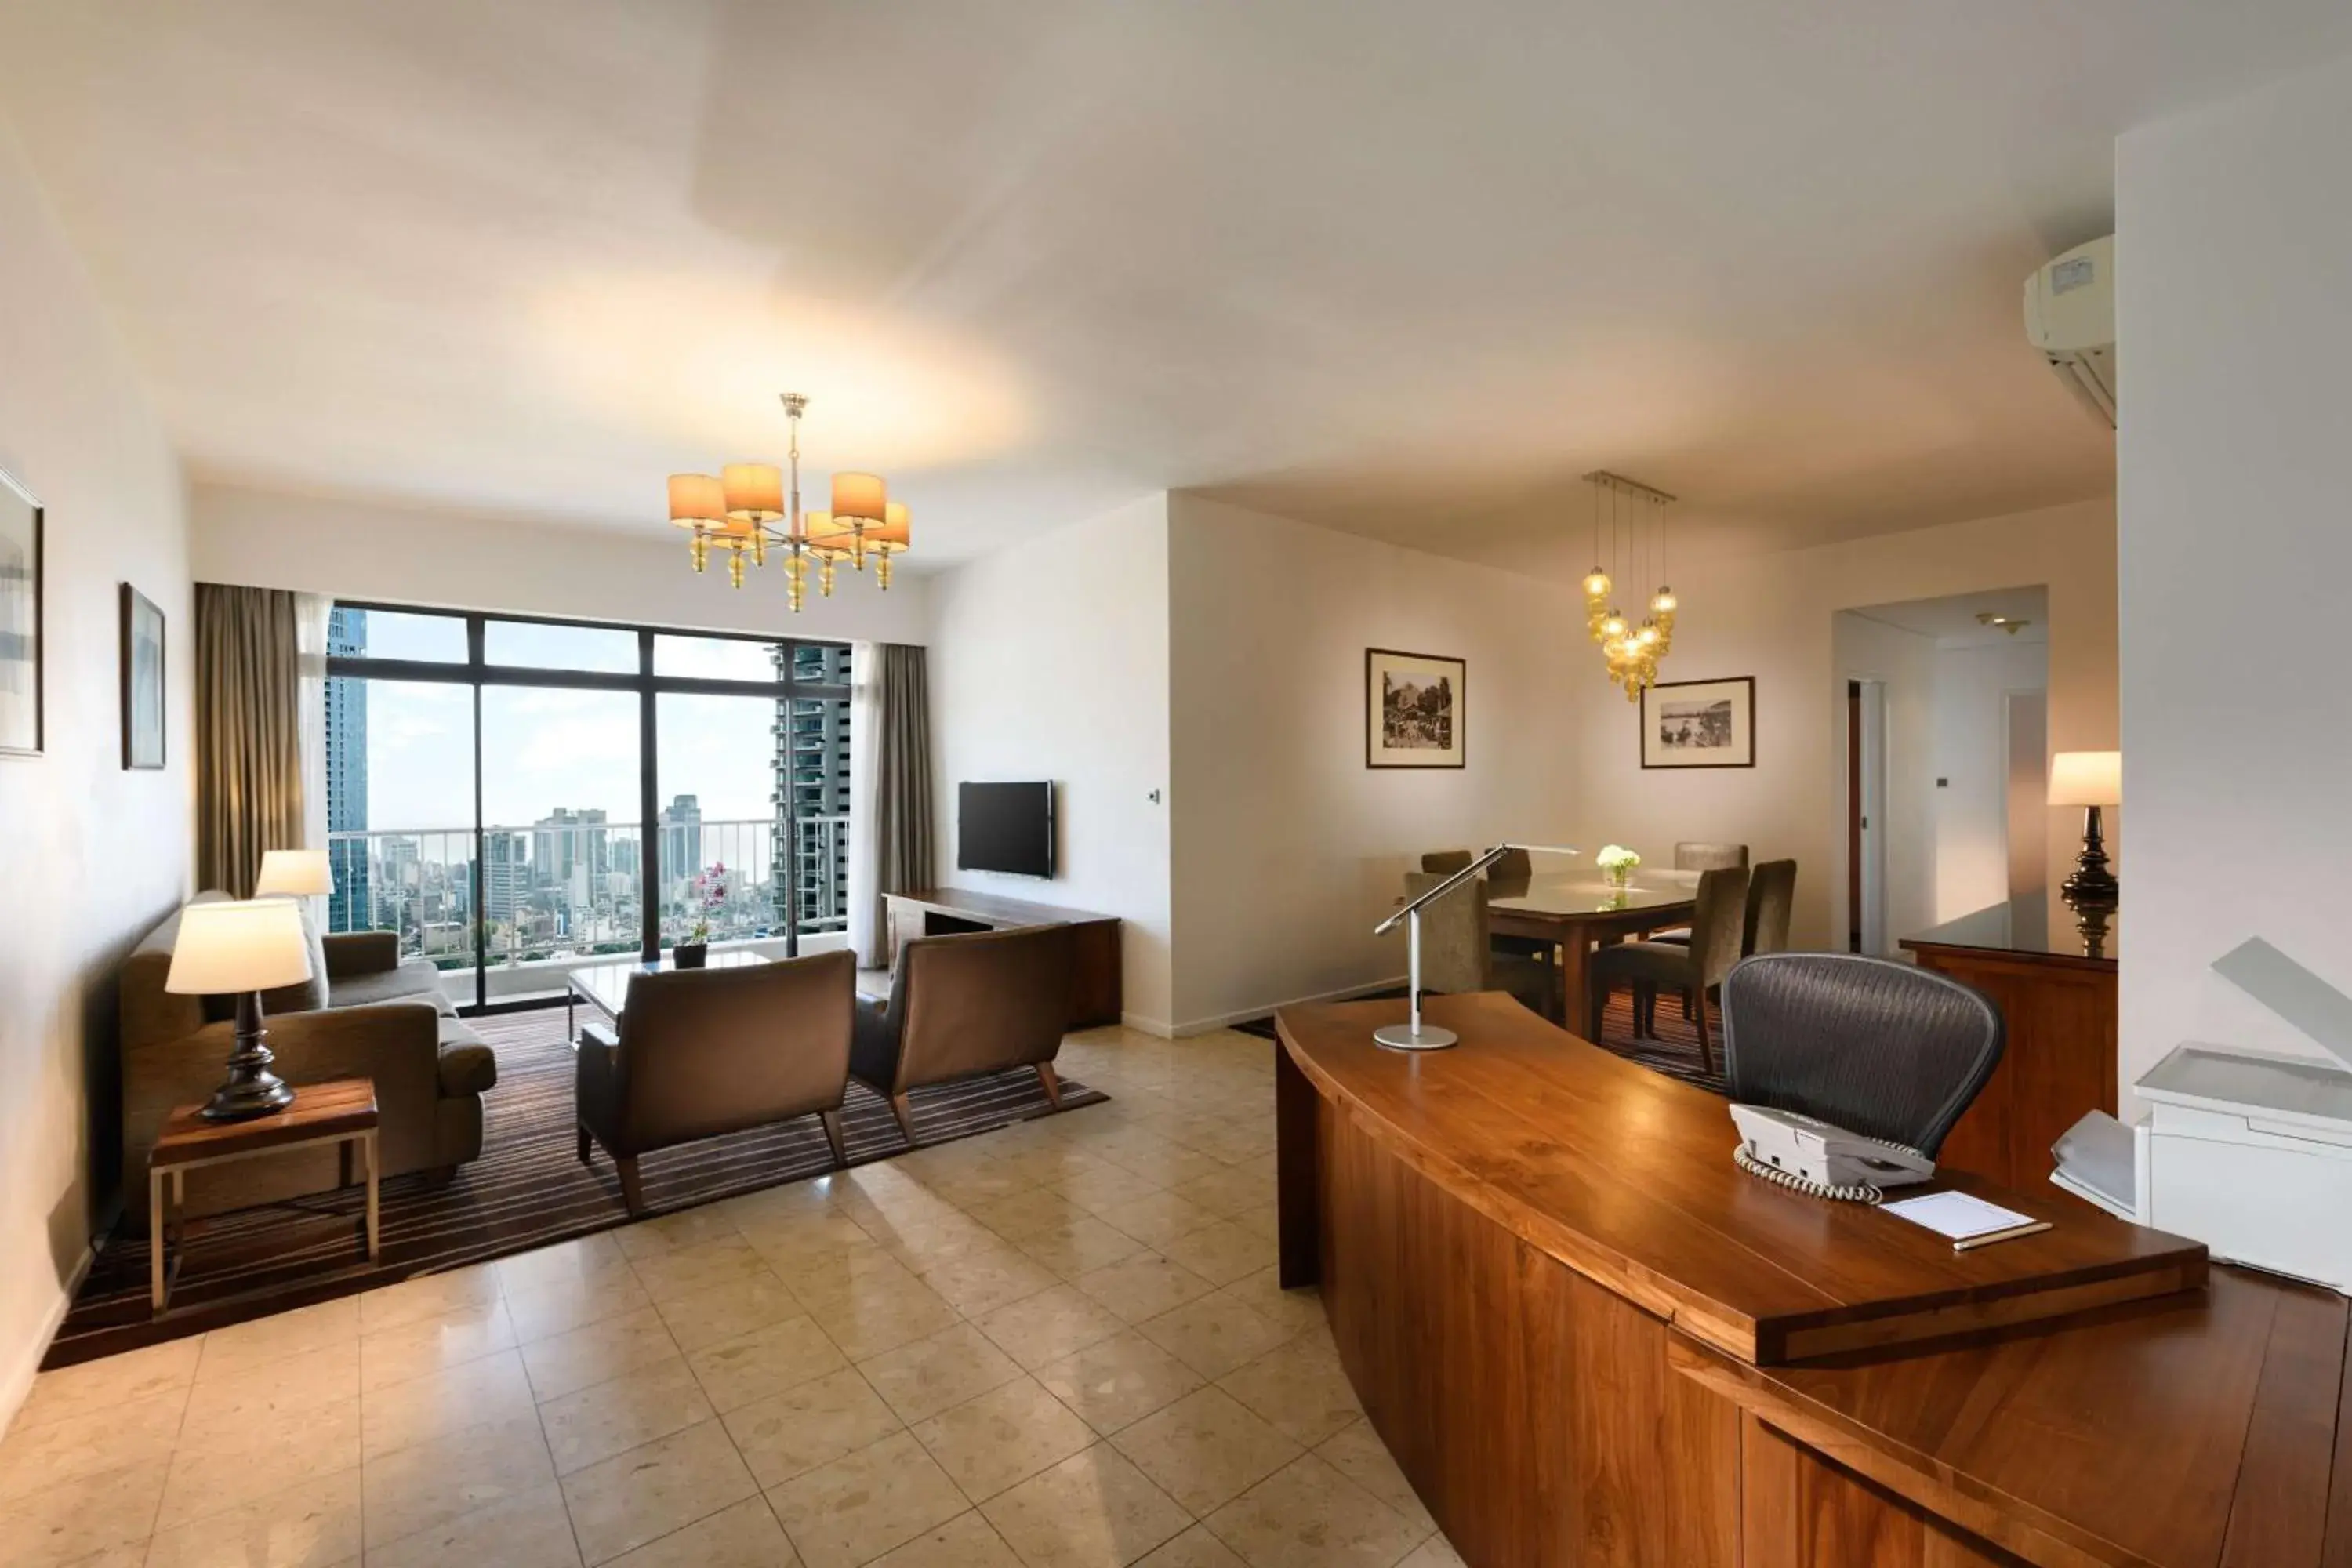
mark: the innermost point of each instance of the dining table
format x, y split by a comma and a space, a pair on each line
1576, 912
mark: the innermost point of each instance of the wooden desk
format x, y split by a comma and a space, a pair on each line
1576, 912
342, 1111
1096, 988
1586, 1337
2054, 982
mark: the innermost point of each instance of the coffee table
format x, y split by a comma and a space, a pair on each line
605, 986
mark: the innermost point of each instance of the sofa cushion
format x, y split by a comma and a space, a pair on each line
467, 1066
307, 995
415, 977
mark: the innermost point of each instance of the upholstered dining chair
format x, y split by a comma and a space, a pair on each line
1889, 1050
1696, 966
1445, 862
1457, 948
1710, 856
1771, 894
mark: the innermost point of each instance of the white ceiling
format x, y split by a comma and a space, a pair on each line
1391, 267
1952, 621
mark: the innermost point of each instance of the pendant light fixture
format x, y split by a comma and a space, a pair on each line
1629, 533
748, 508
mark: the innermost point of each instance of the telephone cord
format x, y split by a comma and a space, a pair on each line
1860, 1193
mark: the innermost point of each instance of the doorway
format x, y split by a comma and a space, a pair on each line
1866, 798
2026, 723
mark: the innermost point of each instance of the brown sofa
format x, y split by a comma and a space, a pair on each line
364, 1014
973, 1003
701, 1052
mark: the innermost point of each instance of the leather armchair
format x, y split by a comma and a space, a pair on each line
701, 1052
960, 1005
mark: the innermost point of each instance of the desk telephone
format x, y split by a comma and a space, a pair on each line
1820, 1160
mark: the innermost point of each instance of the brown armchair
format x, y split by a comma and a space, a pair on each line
960, 1005
701, 1052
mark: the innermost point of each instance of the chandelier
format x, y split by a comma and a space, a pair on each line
747, 509
1629, 532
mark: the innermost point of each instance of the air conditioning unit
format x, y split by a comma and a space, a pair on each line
2070, 316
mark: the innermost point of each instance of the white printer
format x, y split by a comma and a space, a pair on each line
2248, 1152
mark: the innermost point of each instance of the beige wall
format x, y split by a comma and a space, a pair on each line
1287, 850
1771, 617
90, 856
1049, 660
471, 561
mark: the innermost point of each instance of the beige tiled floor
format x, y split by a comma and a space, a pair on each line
1058, 1344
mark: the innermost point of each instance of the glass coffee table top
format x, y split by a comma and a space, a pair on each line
605, 986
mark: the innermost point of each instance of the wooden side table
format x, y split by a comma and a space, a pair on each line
342, 1113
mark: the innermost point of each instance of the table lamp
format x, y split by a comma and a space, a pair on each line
2090, 780
294, 873
242, 948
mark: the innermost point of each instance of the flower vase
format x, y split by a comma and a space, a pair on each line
689, 954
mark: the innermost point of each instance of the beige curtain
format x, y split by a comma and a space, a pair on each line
890, 788
249, 794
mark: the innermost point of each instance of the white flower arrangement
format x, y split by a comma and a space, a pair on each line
1616, 857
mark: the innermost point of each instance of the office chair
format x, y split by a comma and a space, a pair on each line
1877, 1047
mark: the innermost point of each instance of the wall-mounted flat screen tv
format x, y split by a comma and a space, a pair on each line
1006, 828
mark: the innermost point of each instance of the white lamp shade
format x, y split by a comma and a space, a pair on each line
2086, 778
297, 873
228, 946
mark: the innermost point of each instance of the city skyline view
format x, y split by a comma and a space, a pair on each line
564, 861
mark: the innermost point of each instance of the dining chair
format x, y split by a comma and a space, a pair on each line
1445, 862
1710, 856
1771, 894
1885, 1050
1696, 966
1457, 948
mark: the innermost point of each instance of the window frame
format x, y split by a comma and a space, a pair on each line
477, 672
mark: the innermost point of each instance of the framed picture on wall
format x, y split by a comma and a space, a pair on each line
1413, 710
142, 681
1699, 723
22, 655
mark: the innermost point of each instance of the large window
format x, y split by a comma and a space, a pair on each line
518, 797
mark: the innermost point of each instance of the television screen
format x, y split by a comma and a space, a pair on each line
1006, 828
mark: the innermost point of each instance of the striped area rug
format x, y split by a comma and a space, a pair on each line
1674, 1052
528, 1190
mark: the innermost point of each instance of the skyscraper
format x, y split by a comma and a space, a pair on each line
352, 908
812, 771
681, 840
506, 874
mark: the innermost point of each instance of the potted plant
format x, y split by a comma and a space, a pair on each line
711, 893
1617, 863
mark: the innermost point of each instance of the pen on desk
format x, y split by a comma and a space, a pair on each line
1988, 1238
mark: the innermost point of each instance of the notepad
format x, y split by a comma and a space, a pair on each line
1969, 1222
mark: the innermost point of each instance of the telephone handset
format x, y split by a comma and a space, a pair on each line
1825, 1161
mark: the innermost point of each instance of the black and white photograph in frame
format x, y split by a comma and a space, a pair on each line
1413, 710
1699, 723
142, 681
21, 653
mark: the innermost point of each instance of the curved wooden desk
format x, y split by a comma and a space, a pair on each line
1588, 1339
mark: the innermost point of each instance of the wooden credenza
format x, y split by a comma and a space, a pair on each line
1587, 1339
1096, 987
2056, 991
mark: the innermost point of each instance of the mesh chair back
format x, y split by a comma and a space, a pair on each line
1710, 856
1874, 1046
1771, 891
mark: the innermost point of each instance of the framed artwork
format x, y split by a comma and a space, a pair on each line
1699, 723
22, 655
1413, 710
142, 681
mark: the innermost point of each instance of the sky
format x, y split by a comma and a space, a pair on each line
544, 747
